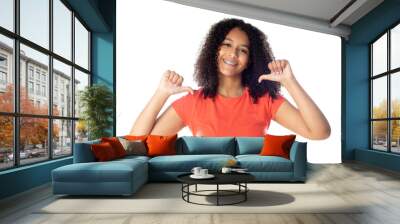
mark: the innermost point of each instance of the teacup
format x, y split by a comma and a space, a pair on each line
196, 171
203, 172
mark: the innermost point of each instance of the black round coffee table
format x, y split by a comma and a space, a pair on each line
238, 179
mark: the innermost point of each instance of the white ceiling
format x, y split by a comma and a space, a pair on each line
316, 15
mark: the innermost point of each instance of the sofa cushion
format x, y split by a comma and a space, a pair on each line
116, 145
257, 163
83, 152
130, 158
111, 171
159, 145
249, 145
185, 163
190, 145
134, 147
103, 151
277, 145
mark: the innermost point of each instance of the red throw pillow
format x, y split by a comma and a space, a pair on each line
161, 145
103, 151
116, 145
277, 145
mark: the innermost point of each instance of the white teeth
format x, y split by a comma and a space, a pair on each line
230, 62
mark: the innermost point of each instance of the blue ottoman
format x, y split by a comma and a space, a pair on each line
118, 177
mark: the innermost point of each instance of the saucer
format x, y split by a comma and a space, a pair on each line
208, 176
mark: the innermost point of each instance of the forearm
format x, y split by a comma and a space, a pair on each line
313, 118
147, 118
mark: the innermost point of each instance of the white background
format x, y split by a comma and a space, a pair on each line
155, 35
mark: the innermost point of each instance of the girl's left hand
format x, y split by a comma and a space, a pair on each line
280, 72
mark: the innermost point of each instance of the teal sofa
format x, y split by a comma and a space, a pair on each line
125, 176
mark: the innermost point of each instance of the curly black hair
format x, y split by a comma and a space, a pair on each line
206, 68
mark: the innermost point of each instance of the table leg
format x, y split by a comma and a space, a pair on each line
245, 191
196, 188
217, 194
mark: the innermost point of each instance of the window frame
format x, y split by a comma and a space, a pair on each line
15, 71
388, 74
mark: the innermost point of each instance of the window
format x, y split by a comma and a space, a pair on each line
37, 75
43, 77
34, 21
385, 94
55, 128
3, 78
7, 14
30, 87
81, 45
43, 90
3, 61
3, 72
62, 29
62, 77
6, 73
38, 89
30, 72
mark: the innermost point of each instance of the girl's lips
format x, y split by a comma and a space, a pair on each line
228, 62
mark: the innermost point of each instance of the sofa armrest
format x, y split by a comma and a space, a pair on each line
83, 152
298, 155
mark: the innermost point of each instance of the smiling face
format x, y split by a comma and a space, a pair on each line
233, 54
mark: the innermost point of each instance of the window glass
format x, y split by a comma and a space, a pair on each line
34, 21
379, 98
395, 138
395, 94
6, 142
395, 47
379, 55
33, 140
62, 29
31, 58
379, 135
81, 81
7, 14
81, 45
62, 91
81, 131
6, 74
62, 137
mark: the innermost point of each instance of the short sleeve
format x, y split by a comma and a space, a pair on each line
275, 104
183, 107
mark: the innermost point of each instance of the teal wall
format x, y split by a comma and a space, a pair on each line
99, 16
356, 68
24, 178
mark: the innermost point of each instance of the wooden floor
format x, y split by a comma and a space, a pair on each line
354, 182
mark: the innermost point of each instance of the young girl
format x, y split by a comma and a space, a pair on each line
239, 95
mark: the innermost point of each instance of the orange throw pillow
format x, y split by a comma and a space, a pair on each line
161, 145
103, 151
277, 145
116, 145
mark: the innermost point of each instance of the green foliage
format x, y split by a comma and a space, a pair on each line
97, 106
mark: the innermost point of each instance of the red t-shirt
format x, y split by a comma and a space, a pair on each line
227, 116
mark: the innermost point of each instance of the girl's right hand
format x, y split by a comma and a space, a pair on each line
171, 83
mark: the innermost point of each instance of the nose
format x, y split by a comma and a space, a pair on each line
234, 53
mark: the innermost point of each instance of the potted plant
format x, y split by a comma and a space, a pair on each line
97, 106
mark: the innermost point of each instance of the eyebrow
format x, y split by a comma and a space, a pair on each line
244, 45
